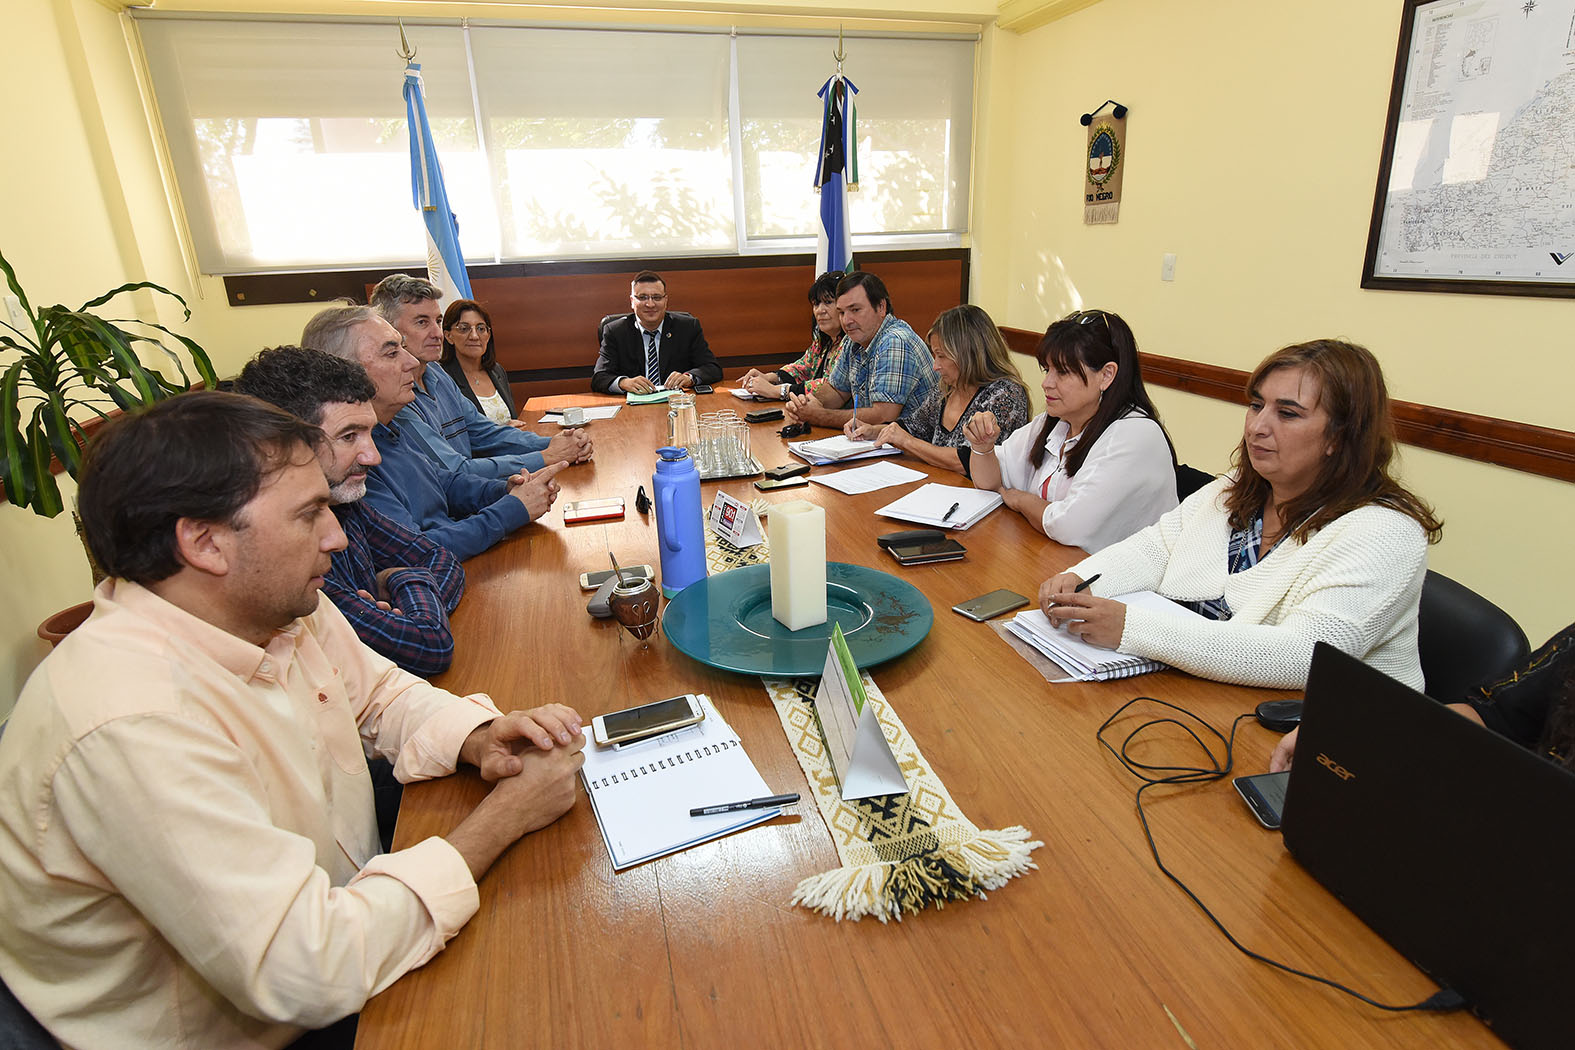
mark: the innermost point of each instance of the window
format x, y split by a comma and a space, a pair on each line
291, 149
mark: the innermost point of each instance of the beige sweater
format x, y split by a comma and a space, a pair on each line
1354, 584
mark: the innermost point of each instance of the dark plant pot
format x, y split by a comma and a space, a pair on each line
54, 629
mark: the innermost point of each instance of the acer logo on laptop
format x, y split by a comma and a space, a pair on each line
1334, 767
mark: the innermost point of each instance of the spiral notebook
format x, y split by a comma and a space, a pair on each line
642, 793
1080, 660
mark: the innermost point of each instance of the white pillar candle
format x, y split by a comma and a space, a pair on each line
797, 531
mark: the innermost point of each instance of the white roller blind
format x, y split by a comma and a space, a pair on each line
291, 150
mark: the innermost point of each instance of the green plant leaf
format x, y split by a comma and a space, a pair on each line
14, 473
107, 296
62, 433
21, 296
46, 494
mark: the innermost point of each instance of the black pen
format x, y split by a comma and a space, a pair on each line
1086, 584
948, 515
753, 803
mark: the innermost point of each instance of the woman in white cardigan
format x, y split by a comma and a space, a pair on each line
1310, 539
1096, 465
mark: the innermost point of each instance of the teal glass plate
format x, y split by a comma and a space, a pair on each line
725, 621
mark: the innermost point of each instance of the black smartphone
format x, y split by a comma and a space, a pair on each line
762, 415
989, 606
924, 553
786, 470
1264, 795
767, 484
703, 388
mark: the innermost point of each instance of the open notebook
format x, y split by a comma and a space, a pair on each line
642, 793
839, 449
1085, 662
933, 505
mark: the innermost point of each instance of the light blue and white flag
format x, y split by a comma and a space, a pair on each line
445, 262
836, 172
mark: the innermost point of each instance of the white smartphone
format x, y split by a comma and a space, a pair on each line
647, 720
610, 508
589, 581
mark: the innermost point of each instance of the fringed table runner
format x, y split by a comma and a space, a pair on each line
899, 853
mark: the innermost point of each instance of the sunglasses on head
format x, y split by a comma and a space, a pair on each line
1088, 317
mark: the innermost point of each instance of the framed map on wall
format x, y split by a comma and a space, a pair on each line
1476, 186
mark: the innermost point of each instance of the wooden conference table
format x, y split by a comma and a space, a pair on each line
702, 950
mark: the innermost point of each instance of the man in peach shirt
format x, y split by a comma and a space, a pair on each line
188, 846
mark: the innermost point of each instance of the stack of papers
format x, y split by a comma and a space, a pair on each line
743, 395
838, 449
1085, 662
932, 505
642, 793
868, 479
659, 394
591, 414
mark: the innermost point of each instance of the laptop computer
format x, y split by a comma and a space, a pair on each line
1455, 845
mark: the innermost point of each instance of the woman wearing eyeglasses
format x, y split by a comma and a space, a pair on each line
976, 379
814, 364
1309, 539
1096, 465
469, 360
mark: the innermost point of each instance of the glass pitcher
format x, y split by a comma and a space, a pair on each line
682, 422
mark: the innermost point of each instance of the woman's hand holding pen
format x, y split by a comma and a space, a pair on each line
1098, 621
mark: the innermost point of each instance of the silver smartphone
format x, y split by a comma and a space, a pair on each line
1264, 794
989, 606
647, 720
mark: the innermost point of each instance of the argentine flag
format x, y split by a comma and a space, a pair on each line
445, 262
836, 172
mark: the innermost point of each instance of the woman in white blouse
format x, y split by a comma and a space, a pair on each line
470, 360
1096, 466
1309, 539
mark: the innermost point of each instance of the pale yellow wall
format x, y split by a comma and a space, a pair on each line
1254, 133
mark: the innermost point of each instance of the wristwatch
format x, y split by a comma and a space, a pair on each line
783, 390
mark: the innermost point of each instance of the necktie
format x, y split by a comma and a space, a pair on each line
651, 371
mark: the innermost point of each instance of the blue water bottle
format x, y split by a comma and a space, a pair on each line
680, 526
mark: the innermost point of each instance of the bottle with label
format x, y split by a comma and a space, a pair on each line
680, 524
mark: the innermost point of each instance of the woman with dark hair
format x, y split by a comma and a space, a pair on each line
469, 359
814, 364
1533, 705
1309, 539
1096, 465
976, 378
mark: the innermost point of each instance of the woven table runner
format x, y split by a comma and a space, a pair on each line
899, 853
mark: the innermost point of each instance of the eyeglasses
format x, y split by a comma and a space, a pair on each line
648, 299
465, 329
1088, 317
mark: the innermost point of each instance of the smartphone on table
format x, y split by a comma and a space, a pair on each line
924, 553
989, 606
583, 510
589, 581
767, 484
1264, 795
633, 723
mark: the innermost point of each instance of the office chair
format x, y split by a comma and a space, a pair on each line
1190, 480
1463, 638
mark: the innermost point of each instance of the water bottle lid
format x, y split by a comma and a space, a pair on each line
670, 454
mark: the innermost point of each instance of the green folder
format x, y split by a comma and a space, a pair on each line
654, 397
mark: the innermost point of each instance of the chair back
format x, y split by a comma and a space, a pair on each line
19, 1030
1190, 480
1464, 639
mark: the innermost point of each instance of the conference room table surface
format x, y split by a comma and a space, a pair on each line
702, 949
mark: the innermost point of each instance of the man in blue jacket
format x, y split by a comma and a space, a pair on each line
464, 512
468, 441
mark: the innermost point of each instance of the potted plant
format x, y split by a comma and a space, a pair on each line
64, 370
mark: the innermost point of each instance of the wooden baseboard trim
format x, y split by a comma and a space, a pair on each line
1487, 439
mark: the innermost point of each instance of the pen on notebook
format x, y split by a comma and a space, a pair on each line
752, 803
855, 410
948, 515
1086, 584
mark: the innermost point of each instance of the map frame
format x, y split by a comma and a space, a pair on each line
1478, 277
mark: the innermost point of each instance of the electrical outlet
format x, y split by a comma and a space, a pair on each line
1167, 267
14, 314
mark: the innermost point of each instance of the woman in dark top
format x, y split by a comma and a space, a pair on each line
469, 359
1533, 705
814, 364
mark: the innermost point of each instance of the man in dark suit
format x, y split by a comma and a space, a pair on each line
651, 346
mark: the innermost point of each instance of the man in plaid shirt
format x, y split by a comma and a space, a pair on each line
884, 373
394, 586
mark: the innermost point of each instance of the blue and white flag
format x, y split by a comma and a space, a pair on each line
836, 172
445, 262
